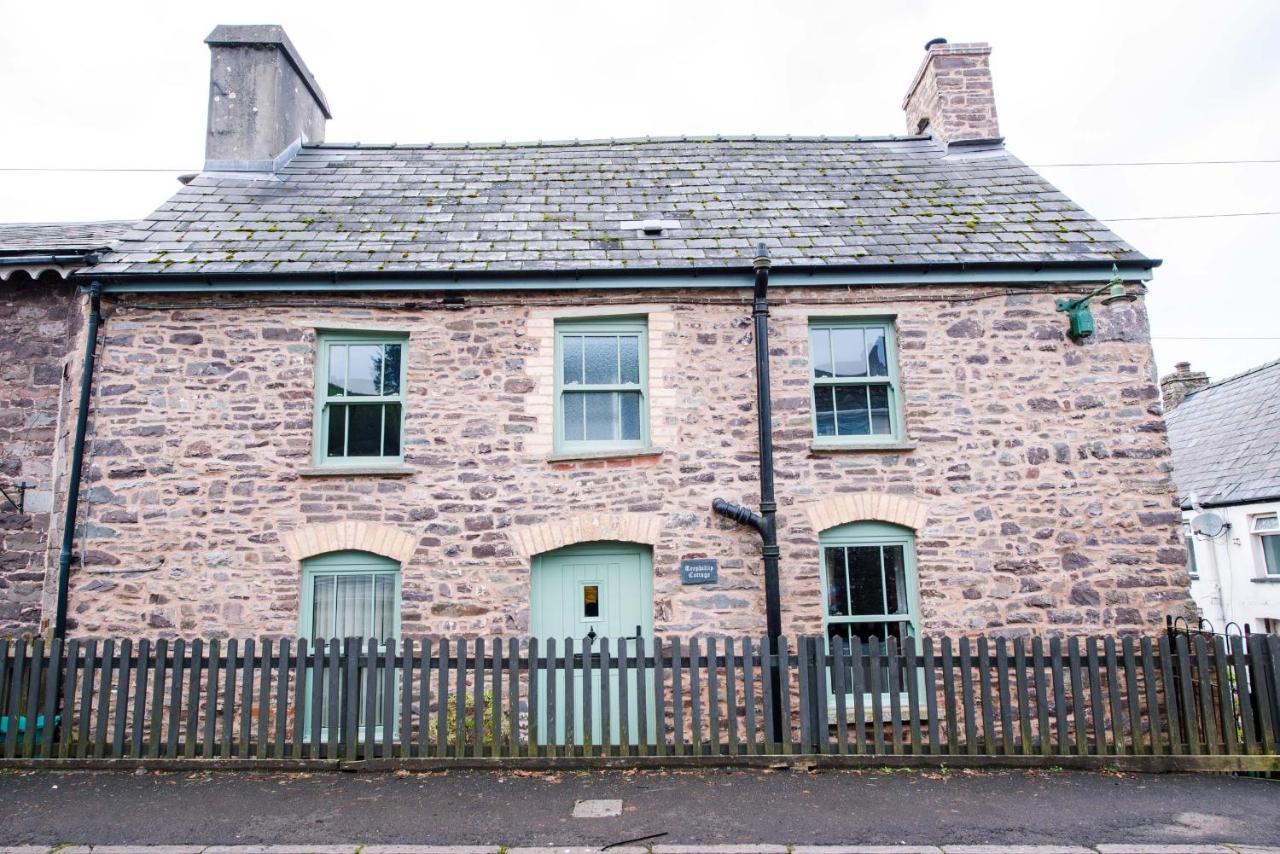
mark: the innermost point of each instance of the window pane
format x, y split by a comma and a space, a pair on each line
866, 586
877, 358
630, 406
1267, 523
820, 348
870, 633
1191, 555
391, 430
839, 632
322, 625
824, 407
390, 366
850, 351
600, 416
837, 583
337, 369
879, 399
363, 369
337, 430
384, 606
354, 617
852, 417
629, 352
571, 359
1271, 553
574, 431
364, 431
602, 359
590, 601
895, 579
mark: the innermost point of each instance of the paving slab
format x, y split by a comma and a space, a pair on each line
1153, 848
1016, 849
597, 808
866, 849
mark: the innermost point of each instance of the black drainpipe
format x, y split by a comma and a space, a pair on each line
77, 460
766, 521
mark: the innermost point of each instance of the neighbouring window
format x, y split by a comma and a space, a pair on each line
1267, 529
351, 595
360, 395
601, 385
854, 376
1189, 541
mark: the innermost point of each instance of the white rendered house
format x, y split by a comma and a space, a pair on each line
1226, 454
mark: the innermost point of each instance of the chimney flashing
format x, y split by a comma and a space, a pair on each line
257, 167
269, 35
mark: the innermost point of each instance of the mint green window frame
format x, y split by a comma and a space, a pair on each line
349, 564
866, 536
602, 328
820, 385
327, 343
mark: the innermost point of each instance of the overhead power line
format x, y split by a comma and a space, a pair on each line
1149, 163
1186, 216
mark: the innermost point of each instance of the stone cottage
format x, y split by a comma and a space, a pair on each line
493, 388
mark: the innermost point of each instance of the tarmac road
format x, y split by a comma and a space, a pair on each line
694, 806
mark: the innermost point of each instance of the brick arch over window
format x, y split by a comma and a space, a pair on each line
587, 528
867, 507
372, 537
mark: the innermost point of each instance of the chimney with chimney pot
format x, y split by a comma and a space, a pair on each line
263, 101
951, 97
1183, 381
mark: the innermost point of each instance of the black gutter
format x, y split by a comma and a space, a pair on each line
374, 276
77, 461
766, 521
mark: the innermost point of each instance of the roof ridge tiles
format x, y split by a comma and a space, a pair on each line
645, 140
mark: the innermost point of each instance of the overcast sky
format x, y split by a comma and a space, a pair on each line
124, 85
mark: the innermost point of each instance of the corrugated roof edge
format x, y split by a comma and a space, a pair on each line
636, 140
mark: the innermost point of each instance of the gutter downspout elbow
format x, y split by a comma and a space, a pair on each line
77, 461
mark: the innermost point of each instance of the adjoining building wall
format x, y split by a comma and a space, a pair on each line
38, 321
1037, 478
1231, 584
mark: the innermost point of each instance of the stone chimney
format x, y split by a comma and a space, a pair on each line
1176, 386
952, 97
262, 100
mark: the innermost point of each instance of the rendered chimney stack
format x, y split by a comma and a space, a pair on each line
952, 97
262, 100
1175, 387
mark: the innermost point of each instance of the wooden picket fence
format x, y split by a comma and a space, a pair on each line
1167, 702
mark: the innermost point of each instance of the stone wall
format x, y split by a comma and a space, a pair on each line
38, 320
1037, 478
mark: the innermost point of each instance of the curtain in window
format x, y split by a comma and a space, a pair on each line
354, 606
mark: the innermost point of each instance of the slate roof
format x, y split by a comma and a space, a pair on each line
54, 237
562, 206
1226, 439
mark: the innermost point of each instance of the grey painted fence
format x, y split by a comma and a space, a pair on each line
732, 698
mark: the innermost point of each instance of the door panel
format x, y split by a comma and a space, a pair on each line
593, 593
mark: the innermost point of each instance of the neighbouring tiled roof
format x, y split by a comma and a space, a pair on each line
53, 237
561, 206
1226, 439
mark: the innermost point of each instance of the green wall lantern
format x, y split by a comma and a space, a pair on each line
1080, 319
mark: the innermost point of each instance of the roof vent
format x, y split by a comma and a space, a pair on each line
651, 227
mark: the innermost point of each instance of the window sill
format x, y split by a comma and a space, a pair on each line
1270, 579
360, 471
833, 448
608, 454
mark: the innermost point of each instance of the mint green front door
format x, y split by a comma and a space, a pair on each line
592, 593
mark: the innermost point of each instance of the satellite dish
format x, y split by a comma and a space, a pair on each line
1208, 524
